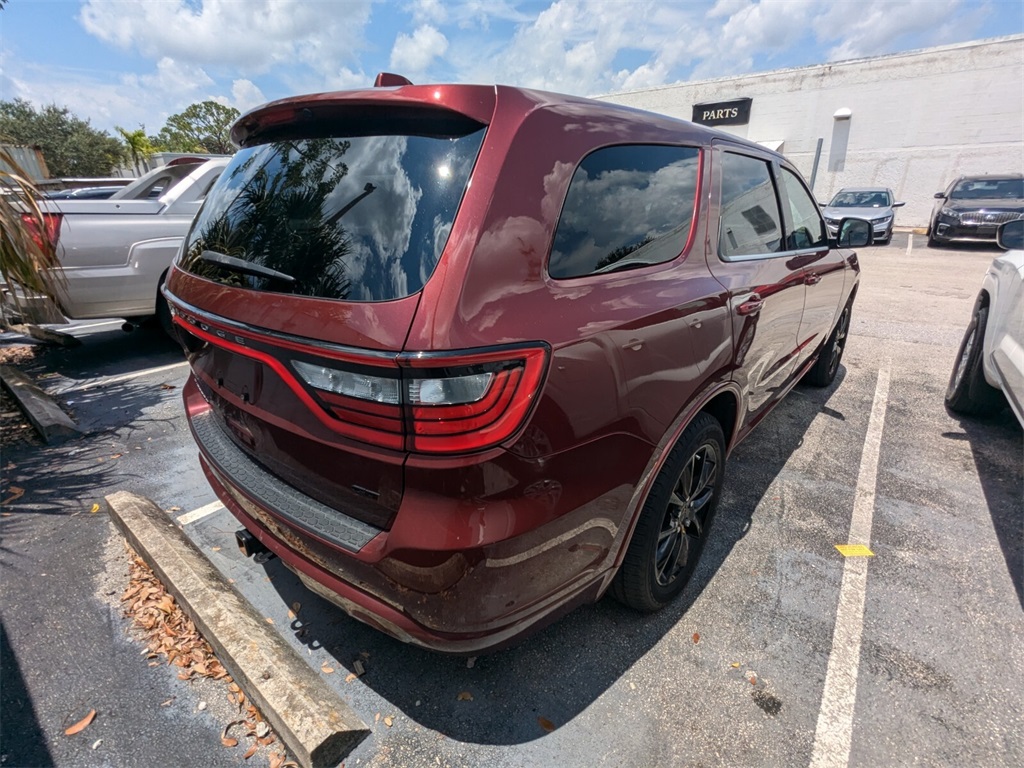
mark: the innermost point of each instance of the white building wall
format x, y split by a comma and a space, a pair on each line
918, 119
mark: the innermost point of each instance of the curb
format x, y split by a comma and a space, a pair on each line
52, 424
312, 720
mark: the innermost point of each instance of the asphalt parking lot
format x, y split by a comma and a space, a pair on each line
781, 652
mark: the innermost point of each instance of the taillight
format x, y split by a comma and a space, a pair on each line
438, 404
422, 402
51, 229
475, 401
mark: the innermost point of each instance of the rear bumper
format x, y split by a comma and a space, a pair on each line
456, 575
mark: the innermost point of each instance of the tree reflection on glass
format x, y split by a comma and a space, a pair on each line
277, 216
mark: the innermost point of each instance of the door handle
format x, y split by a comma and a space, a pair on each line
812, 279
751, 306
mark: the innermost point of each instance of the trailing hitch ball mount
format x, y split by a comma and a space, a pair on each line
252, 547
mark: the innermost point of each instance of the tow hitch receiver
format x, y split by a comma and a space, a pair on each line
252, 547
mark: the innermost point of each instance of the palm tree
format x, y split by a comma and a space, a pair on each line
28, 259
138, 145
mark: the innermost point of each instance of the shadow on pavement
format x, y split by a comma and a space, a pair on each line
21, 739
562, 670
996, 446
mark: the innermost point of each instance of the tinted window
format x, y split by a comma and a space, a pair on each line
362, 218
627, 207
860, 199
808, 231
750, 222
981, 189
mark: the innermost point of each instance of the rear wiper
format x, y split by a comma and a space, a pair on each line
245, 267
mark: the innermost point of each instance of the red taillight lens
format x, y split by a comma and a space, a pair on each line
428, 403
51, 229
442, 403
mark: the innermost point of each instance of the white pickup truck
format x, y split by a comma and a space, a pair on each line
116, 252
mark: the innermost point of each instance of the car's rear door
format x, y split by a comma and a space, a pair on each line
821, 268
766, 289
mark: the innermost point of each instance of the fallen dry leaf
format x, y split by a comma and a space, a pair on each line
376, 718
269, 620
389, 721
262, 729
16, 493
230, 741
167, 386
465, 696
735, 665
250, 752
95, 509
117, 456
296, 606
276, 759
215, 549
696, 637
81, 725
546, 724
327, 670
351, 676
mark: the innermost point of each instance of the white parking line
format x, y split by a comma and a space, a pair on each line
92, 325
910, 243
834, 731
199, 514
119, 378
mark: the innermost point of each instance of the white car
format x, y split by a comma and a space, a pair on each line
991, 356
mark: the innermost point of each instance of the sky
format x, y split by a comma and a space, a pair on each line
134, 63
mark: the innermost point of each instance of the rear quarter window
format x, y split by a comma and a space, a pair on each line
627, 207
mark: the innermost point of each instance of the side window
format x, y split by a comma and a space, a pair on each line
627, 207
750, 222
808, 229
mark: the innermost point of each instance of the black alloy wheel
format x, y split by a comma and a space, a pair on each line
676, 519
823, 372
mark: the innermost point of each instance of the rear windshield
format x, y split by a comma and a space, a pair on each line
360, 218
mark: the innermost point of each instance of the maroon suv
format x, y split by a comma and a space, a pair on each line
466, 357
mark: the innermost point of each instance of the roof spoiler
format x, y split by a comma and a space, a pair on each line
390, 80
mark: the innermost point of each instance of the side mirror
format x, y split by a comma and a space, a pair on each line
1011, 235
898, 205
940, 196
854, 233
822, 205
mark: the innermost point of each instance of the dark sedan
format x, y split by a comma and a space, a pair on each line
973, 207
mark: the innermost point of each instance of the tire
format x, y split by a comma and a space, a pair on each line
968, 392
675, 520
824, 370
163, 312
932, 242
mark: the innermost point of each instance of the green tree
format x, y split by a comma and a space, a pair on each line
138, 147
203, 127
28, 261
70, 145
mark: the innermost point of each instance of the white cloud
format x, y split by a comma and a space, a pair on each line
416, 52
250, 37
245, 95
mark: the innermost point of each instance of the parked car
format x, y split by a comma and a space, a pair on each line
466, 357
973, 207
82, 193
116, 252
874, 204
990, 362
